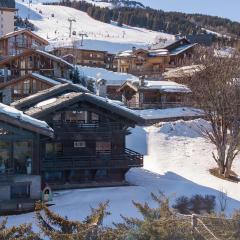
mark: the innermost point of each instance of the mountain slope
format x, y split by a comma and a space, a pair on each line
52, 23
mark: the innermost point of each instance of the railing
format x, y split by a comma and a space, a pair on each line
95, 126
126, 160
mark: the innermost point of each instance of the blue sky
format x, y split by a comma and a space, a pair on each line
222, 8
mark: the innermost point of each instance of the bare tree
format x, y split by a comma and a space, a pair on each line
216, 90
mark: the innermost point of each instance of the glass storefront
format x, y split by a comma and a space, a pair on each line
22, 155
17, 156
4, 156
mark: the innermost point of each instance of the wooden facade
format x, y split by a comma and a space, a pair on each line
155, 94
36, 61
24, 86
84, 149
86, 57
16, 42
142, 62
153, 62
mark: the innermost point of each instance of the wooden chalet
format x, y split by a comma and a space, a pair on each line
145, 94
20, 139
178, 50
26, 85
16, 42
142, 62
153, 62
84, 150
32, 60
86, 57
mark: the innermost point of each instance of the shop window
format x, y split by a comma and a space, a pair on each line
20, 191
22, 155
4, 156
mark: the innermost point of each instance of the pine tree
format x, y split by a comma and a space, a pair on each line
56, 227
22, 232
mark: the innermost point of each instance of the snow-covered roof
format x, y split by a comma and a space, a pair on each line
166, 86
169, 113
158, 52
18, 32
58, 59
48, 93
182, 49
111, 78
126, 53
45, 79
28, 121
62, 100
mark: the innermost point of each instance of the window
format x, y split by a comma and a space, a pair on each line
57, 117
26, 87
103, 146
20, 191
94, 117
4, 156
76, 116
53, 148
22, 151
80, 144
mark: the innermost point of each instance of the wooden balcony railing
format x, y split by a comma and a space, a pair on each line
94, 126
126, 160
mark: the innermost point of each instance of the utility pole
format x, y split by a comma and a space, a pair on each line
71, 20
82, 35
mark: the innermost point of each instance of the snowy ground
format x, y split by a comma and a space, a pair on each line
178, 112
100, 35
177, 160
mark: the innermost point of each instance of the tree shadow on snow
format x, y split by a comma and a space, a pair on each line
174, 186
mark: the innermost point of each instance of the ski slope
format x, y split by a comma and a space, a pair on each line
56, 29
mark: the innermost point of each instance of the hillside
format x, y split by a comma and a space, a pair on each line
51, 22
157, 20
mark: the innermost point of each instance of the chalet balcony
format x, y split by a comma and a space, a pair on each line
81, 126
104, 161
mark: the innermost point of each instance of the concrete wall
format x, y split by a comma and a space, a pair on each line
6, 22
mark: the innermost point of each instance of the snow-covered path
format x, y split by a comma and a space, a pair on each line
177, 162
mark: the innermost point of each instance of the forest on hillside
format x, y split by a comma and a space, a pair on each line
157, 20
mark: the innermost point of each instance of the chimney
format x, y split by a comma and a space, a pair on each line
101, 88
